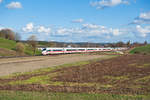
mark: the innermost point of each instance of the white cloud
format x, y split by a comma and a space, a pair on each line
89, 30
28, 28
92, 26
143, 31
78, 20
145, 15
116, 32
108, 3
14, 5
99, 29
68, 31
31, 28
43, 29
143, 18
1, 1
103, 31
65, 31
62, 31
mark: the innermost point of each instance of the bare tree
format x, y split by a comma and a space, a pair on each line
128, 44
145, 42
32, 41
2, 34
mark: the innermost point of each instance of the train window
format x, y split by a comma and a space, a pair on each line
49, 50
57, 50
90, 49
71, 49
44, 49
74, 49
81, 49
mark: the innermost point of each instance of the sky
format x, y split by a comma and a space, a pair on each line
97, 21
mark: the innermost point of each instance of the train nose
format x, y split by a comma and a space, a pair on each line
44, 53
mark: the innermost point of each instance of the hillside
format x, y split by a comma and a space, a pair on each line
141, 50
7, 48
8, 44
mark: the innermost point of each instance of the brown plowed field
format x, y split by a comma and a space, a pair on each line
128, 74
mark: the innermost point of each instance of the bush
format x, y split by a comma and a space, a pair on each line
20, 48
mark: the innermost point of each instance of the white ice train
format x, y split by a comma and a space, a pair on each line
48, 51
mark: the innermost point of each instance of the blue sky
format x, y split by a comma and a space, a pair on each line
78, 20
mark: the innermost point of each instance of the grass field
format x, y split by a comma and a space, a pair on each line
141, 50
20, 95
8, 44
8, 48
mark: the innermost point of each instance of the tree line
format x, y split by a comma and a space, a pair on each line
9, 34
20, 47
127, 44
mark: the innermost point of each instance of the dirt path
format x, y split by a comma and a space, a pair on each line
25, 64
